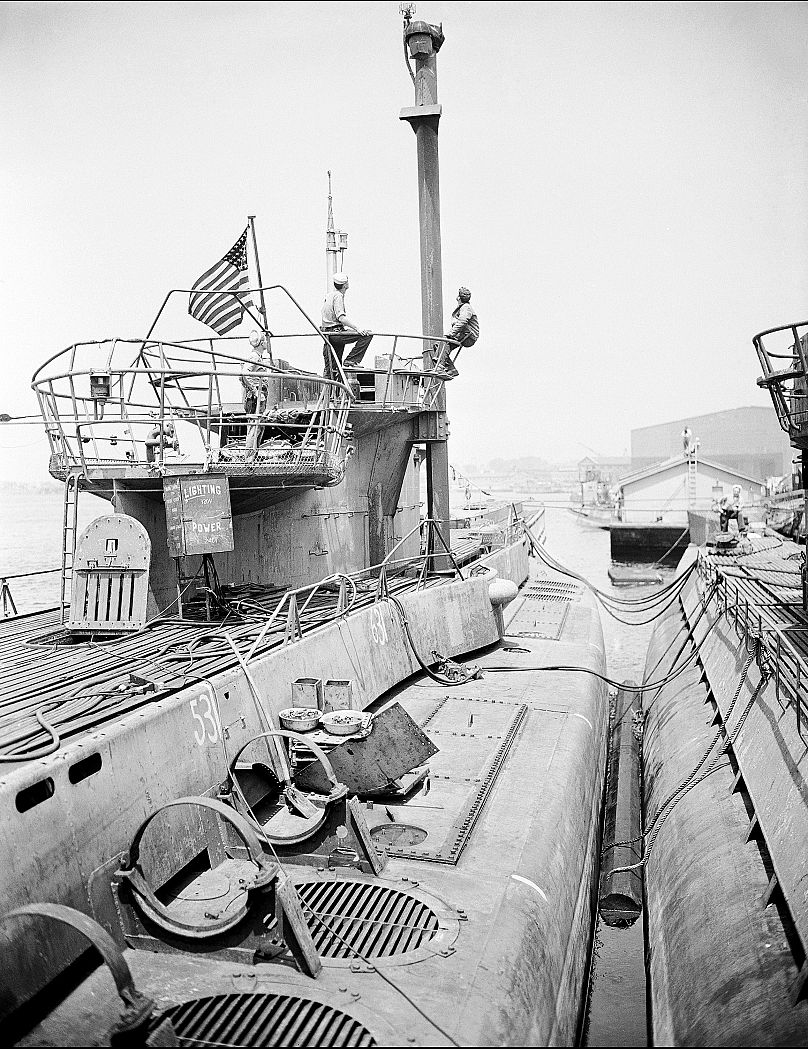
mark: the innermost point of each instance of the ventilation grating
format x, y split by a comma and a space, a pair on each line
375, 920
552, 590
264, 1020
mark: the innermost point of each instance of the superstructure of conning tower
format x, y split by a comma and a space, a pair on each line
323, 474
332, 484
783, 356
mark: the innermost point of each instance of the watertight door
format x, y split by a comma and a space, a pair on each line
111, 576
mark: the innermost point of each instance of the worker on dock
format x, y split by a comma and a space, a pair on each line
732, 510
341, 331
465, 331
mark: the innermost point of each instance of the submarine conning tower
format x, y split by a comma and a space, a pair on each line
321, 479
783, 356
320, 476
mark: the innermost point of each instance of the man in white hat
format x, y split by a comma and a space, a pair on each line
341, 331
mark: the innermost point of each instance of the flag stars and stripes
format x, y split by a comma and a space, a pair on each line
220, 294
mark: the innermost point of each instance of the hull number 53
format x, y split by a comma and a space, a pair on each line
206, 718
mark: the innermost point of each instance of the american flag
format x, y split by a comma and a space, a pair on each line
212, 300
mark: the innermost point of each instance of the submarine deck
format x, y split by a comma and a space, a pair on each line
743, 612
79, 686
507, 863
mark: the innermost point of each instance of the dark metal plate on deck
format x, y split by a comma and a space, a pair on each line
396, 745
459, 833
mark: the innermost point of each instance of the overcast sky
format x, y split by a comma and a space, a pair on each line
623, 187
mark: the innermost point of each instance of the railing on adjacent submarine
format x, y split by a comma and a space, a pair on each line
789, 665
783, 356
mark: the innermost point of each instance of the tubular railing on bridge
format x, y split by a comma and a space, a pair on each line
128, 403
783, 356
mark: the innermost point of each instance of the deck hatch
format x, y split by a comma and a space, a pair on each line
543, 621
264, 1020
449, 848
377, 920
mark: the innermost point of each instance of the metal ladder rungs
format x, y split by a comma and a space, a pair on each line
69, 537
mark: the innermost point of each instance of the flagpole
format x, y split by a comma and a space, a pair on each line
251, 220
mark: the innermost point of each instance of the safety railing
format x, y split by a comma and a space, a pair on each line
406, 378
783, 356
127, 403
162, 410
789, 665
6, 596
303, 608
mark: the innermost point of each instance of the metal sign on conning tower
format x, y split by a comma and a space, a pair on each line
198, 516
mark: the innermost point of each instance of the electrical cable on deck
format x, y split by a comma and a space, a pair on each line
627, 605
459, 679
602, 677
689, 629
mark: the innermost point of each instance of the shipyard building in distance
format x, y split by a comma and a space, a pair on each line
747, 440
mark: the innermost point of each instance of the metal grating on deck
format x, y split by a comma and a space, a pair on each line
264, 1020
375, 920
552, 590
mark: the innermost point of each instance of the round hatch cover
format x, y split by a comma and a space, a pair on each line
399, 834
264, 1020
376, 920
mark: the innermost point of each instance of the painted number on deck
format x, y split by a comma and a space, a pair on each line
203, 711
378, 630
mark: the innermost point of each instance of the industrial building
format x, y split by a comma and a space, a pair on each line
748, 440
664, 493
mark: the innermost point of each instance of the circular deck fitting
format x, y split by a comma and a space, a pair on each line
374, 919
398, 834
264, 1020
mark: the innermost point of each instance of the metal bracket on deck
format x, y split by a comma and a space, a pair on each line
267, 919
137, 1008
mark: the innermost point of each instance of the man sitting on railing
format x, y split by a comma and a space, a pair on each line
341, 331
465, 331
